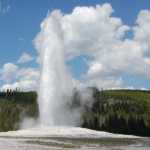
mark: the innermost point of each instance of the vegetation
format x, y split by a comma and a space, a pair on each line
14, 106
119, 111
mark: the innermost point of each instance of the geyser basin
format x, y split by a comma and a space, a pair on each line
66, 132
71, 138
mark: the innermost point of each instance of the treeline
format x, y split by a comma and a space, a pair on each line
119, 111
14, 106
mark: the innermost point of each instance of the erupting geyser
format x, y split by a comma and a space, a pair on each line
55, 82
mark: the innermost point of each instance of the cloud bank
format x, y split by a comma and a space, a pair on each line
94, 32
103, 38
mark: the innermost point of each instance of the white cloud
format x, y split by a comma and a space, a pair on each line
105, 82
89, 29
23, 78
28, 73
27, 79
142, 32
8, 72
95, 32
25, 58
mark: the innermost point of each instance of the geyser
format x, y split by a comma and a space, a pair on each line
55, 87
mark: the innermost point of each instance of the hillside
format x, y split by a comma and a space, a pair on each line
14, 106
119, 111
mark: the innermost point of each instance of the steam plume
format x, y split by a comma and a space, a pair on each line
55, 82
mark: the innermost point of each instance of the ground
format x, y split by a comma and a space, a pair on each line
70, 138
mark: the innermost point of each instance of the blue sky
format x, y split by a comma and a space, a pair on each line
20, 23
